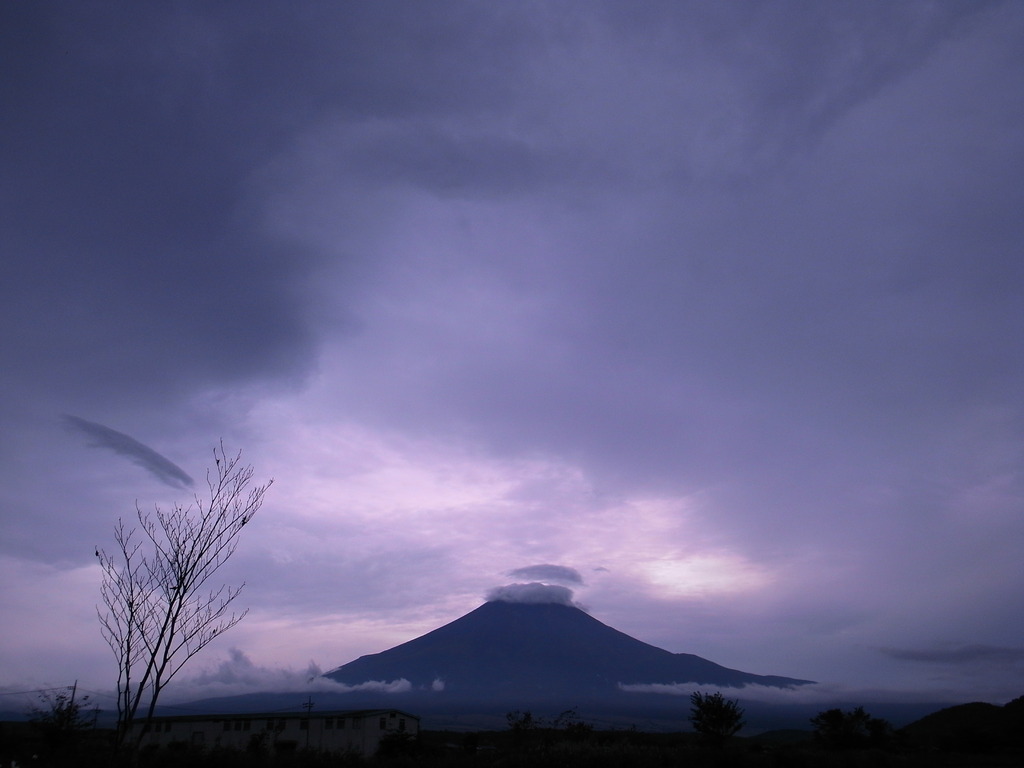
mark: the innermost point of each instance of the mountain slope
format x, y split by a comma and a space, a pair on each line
544, 650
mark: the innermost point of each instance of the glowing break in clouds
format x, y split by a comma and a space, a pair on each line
704, 574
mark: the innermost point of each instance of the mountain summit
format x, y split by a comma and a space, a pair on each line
518, 651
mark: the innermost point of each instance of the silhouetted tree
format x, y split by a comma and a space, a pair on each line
714, 717
62, 713
61, 719
850, 730
396, 743
570, 724
520, 722
522, 725
159, 613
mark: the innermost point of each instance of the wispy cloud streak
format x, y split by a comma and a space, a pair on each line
964, 654
548, 572
162, 468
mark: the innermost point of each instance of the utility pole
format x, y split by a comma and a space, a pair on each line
72, 719
308, 706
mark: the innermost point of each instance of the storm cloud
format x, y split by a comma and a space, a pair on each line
717, 302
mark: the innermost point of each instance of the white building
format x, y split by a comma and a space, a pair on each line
359, 730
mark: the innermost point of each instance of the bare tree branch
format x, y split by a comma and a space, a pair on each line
157, 611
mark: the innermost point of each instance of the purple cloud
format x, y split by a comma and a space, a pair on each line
533, 592
545, 572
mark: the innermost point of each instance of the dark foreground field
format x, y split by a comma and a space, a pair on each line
538, 749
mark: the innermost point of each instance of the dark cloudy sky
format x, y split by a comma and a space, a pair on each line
716, 305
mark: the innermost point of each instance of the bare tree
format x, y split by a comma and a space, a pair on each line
159, 609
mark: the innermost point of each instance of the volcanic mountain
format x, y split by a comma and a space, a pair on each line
537, 652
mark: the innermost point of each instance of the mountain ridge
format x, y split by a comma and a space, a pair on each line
538, 650
545, 657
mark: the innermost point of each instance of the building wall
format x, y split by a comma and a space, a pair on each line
327, 731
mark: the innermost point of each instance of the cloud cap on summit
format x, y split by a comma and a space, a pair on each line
532, 592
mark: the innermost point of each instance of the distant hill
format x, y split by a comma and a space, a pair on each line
510, 651
971, 728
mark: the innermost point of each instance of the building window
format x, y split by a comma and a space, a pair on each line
357, 722
238, 725
341, 722
304, 724
280, 724
270, 725
227, 725
383, 723
328, 723
246, 725
401, 723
